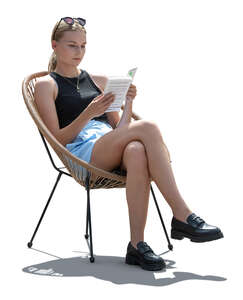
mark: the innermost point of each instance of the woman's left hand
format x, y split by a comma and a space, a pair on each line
132, 92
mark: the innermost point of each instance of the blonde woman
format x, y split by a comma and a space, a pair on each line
72, 104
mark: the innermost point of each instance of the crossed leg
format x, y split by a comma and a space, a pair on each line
134, 161
140, 148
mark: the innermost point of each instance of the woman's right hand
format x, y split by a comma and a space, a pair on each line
99, 104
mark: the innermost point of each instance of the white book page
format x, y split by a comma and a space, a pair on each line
119, 86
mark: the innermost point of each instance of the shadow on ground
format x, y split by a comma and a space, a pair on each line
113, 269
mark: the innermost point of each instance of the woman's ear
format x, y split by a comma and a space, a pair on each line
53, 44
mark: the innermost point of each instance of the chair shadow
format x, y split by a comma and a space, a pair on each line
112, 269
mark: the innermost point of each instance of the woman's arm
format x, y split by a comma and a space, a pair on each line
127, 111
100, 81
126, 114
112, 116
45, 102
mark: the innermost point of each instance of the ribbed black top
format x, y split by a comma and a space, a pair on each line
69, 102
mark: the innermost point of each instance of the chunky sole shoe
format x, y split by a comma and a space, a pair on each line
144, 256
196, 229
152, 267
179, 235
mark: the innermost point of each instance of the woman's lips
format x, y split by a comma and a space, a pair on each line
77, 58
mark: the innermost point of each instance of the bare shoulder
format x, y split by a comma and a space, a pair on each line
43, 96
45, 78
48, 81
99, 80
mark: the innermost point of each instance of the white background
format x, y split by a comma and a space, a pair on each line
189, 80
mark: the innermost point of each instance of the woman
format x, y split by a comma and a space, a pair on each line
72, 104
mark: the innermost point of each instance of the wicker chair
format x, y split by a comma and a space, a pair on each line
91, 178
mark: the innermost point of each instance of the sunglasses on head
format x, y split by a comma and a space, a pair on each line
70, 21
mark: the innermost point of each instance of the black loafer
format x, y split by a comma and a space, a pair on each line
144, 256
196, 229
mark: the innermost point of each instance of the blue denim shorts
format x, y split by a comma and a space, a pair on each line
84, 142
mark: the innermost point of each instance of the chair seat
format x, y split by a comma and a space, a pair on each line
117, 171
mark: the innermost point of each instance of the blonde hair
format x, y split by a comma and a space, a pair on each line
62, 27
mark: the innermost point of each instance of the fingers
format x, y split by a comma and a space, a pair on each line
132, 91
103, 96
110, 96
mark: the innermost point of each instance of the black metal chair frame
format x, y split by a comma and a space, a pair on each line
88, 215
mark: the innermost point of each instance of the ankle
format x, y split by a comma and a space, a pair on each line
182, 215
134, 243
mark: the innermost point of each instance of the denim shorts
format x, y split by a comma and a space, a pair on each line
84, 142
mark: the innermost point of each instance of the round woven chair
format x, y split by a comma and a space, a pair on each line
84, 173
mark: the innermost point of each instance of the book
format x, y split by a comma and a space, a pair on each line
119, 86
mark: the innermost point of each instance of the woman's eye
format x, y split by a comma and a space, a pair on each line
76, 46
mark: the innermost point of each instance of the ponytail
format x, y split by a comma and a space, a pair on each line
52, 62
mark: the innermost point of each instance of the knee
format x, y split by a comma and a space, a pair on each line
149, 126
134, 147
135, 154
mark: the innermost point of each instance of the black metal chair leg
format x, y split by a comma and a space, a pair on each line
170, 246
88, 221
43, 213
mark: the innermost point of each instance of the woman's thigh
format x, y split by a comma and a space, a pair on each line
108, 150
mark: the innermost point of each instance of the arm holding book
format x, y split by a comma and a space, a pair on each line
101, 81
127, 112
113, 115
126, 115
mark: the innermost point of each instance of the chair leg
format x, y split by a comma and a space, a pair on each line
170, 246
43, 213
88, 221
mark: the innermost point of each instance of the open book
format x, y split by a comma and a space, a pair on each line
119, 86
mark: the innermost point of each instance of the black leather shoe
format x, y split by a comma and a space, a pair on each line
195, 229
144, 256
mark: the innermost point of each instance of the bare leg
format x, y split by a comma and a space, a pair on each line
137, 188
135, 161
108, 153
162, 174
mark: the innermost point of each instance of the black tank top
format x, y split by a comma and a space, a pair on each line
69, 102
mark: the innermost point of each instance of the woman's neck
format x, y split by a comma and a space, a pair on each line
68, 73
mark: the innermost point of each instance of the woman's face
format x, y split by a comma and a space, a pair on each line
70, 48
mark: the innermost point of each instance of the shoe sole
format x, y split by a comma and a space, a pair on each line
134, 261
178, 235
